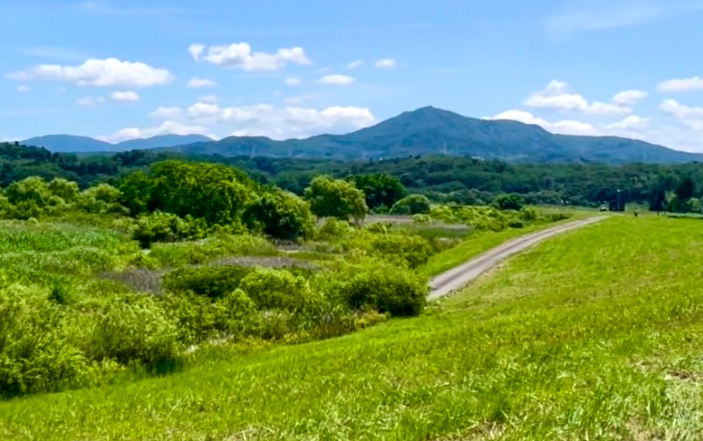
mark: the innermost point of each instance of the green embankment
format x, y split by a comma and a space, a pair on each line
595, 334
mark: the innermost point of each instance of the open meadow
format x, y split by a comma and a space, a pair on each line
591, 335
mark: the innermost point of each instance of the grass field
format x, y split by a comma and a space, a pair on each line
595, 334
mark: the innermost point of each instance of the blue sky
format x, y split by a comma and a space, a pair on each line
127, 69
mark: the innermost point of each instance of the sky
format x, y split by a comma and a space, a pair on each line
119, 70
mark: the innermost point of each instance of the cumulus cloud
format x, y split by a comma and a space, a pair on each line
293, 81
199, 83
124, 96
682, 85
336, 80
240, 56
690, 116
386, 63
556, 96
632, 122
629, 97
165, 128
110, 72
267, 120
355, 64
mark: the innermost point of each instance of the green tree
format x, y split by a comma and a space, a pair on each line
214, 192
510, 201
137, 192
411, 205
686, 190
65, 189
657, 200
280, 214
336, 198
380, 189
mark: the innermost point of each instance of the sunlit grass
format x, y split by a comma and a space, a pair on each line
595, 334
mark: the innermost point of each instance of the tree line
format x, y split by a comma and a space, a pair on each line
461, 180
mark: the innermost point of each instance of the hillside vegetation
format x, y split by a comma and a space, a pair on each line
591, 335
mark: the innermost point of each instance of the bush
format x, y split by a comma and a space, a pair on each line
166, 227
510, 201
384, 288
278, 289
413, 204
218, 245
209, 281
281, 215
334, 229
35, 353
134, 329
414, 250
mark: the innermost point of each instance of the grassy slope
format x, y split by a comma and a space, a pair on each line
592, 335
484, 241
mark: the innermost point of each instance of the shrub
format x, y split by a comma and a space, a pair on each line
134, 329
413, 204
278, 289
384, 288
510, 201
281, 215
412, 249
166, 227
334, 229
209, 281
35, 353
336, 198
202, 251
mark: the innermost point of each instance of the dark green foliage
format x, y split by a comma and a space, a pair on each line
209, 281
384, 288
411, 205
280, 215
137, 193
336, 198
380, 189
686, 189
510, 201
215, 193
166, 227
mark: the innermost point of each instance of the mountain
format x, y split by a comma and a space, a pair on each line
425, 131
429, 131
82, 144
69, 143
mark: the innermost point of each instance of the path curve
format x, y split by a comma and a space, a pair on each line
460, 276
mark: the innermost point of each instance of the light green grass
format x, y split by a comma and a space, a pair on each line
482, 241
595, 334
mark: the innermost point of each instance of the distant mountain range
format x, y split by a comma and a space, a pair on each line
425, 131
82, 144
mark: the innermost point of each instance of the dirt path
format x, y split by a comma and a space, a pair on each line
459, 277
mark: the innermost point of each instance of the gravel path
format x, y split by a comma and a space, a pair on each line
459, 277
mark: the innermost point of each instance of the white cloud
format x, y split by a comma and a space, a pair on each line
682, 85
109, 72
632, 122
564, 127
208, 99
165, 128
292, 81
336, 80
386, 63
267, 120
23, 88
240, 56
556, 96
355, 64
89, 101
124, 96
690, 116
594, 18
629, 97
199, 83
